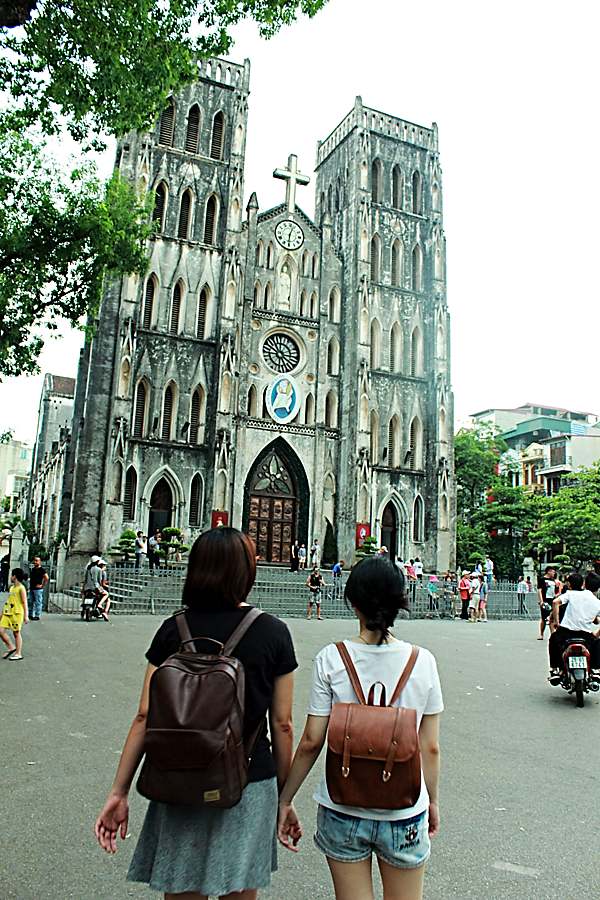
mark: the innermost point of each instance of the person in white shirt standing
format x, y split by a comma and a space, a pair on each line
348, 836
418, 567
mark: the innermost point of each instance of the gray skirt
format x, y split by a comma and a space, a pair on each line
212, 851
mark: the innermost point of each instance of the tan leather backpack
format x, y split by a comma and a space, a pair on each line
195, 753
373, 754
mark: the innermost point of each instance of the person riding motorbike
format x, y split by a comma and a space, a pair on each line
580, 620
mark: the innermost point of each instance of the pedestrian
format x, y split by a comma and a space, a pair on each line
302, 556
482, 596
464, 590
349, 835
294, 557
418, 567
315, 585
529, 585
474, 597
140, 549
315, 554
432, 591
154, 551
548, 588
412, 580
202, 850
4, 567
38, 579
14, 615
489, 571
104, 596
522, 589
450, 591
92, 581
336, 571
383, 551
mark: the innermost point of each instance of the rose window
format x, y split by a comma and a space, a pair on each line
281, 352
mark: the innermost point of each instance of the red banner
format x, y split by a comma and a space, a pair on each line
363, 531
219, 518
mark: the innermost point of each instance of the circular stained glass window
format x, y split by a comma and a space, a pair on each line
281, 352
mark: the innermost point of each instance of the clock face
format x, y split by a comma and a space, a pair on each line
289, 235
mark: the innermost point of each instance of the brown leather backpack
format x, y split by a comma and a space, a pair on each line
195, 753
373, 754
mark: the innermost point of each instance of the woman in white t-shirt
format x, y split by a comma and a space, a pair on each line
348, 836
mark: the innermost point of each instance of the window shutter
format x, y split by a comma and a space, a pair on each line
175, 310
201, 326
193, 130
210, 220
130, 494
195, 501
216, 143
184, 216
195, 417
140, 410
392, 444
159, 205
167, 414
148, 304
167, 122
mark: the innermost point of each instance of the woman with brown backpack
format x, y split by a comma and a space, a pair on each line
377, 701
216, 671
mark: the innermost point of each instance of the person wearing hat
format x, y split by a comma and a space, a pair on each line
474, 598
432, 589
103, 595
464, 590
92, 580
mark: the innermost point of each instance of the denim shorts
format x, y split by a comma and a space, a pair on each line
403, 843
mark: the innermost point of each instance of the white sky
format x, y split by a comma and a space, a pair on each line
513, 88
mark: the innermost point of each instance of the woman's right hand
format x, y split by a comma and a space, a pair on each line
289, 828
113, 819
434, 819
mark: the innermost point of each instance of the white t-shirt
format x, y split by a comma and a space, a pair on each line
418, 567
475, 585
582, 610
331, 685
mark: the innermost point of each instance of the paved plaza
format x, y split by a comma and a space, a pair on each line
519, 780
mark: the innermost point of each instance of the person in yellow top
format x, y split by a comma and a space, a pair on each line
14, 615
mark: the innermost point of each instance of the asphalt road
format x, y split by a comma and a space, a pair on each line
520, 783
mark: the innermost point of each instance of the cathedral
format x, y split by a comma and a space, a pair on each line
286, 376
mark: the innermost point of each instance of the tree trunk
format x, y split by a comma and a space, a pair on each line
16, 12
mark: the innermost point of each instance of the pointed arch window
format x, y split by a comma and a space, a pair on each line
148, 311
167, 125
202, 310
395, 347
417, 268
196, 501
253, 402
374, 437
444, 512
139, 413
217, 136
375, 344
260, 253
268, 297
435, 198
393, 442
129, 498
117, 481
192, 136
175, 310
160, 206
397, 263
304, 305
333, 357
397, 187
197, 408
210, 220
315, 266
375, 258
305, 263
417, 193
257, 294
309, 410
376, 181
270, 256
416, 353
416, 444
331, 410
418, 520
334, 305
314, 305
167, 412
185, 209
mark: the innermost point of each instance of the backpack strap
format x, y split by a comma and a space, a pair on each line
241, 630
183, 628
352, 673
405, 675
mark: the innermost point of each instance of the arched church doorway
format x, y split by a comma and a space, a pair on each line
389, 530
276, 501
161, 506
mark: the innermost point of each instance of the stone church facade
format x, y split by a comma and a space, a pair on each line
287, 376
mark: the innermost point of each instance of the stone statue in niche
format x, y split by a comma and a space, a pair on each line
285, 288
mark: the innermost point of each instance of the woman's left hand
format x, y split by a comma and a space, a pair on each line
289, 828
113, 819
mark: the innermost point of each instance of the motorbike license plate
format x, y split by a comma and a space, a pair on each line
577, 662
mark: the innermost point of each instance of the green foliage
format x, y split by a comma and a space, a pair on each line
36, 548
570, 522
367, 548
126, 543
472, 544
5, 504
477, 452
109, 65
6, 436
59, 239
172, 544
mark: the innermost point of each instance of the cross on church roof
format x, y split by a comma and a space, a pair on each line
293, 177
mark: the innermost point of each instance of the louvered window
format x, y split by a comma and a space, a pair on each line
175, 310
392, 443
167, 123
210, 220
148, 304
202, 305
195, 496
160, 199
139, 420
417, 194
184, 215
216, 141
130, 494
396, 264
397, 188
193, 130
195, 416
167, 414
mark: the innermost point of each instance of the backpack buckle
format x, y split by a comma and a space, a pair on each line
386, 775
345, 771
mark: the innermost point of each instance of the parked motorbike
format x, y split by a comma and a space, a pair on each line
89, 606
576, 676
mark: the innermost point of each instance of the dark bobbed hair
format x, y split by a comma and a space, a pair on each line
221, 570
592, 581
575, 581
376, 589
19, 575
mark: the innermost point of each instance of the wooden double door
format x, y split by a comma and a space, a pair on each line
272, 526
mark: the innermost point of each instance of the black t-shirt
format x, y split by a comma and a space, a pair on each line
266, 651
548, 588
36, 577
314, 581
